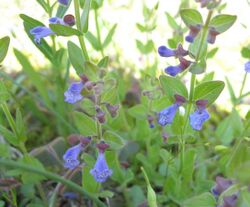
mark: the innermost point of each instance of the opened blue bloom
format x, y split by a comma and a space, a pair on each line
247, 67
167, 115
174, 70
178, 52
71, 156
73, 94
200, 115
64, 2
40, 32
56, 20
101, 171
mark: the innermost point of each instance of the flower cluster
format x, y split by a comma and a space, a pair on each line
179, 53
101, 171
222, 184
197, 118
40, 32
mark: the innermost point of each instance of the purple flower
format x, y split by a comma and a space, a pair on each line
174, 70
40, 32
222, 184
73, 94
204, 3
101, 171
56, 20
211, 37
71, 156
64, 2
151, 121
193, 32
178, 52
247, 67
199, 116
69, 19
230, 201
167, 115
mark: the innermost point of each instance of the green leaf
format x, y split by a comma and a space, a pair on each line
188, 165
96, 4
103, 63
145, 48
172, 22
209, 90
34, 77
245, 52
198, 68
138, 111
212, 53
172, 86
91, 71
43, 4
93, 41
62, 9
76, 57
191, 17
203, 200
109, 36
30, 23
9, 136
198, 49
4, 45
4, 94
64, 30
20, 126
231, 91
151, 196
114, 140
222, 22
85, 124
85, 16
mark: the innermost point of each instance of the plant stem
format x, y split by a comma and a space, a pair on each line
191, 92
79, 27
243, 84
98, 32
52, 176
42, 194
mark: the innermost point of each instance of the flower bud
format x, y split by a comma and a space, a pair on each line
100, 115
112, 109
69, 19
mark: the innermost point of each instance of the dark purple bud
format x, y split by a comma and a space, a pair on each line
247, 67
211, 37
74, 139
100, 115
102, 146
180, 100
84, 78
165, 137
85, 140
180, 52
222, 184
125, 164
69, 19
184, 64
230, 201
201, 104
204, 3
151, 121
112, 109
193, 32
89, 85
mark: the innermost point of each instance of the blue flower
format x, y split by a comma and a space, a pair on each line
193, 32
165, 52
64, 2
40, 32
73, 94
247, 67
198, 118
56, 20
222, 184
71, 156
167, 115
101, 170
174, 70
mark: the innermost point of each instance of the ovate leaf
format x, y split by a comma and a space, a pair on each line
85, 124
222, 22
191, 17
4, 45
63, 30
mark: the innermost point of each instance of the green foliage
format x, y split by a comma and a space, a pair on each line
191, 17
4, 45
85, 124
222, 22
63, 30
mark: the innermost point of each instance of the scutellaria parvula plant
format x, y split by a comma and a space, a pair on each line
116, 129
